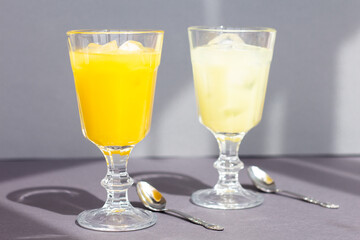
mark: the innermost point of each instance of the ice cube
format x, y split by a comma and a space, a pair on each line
110, 46
227, 40
93, 46
131, 46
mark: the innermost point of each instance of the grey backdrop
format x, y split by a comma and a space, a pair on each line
311, 103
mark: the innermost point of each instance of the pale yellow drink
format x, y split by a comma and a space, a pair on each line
230, 85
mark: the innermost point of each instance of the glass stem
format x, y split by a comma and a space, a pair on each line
117, 180
228, 163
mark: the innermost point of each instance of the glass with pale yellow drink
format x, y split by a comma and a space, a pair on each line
230, 69
115, 75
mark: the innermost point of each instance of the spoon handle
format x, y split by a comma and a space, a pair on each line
310, 199
197, 220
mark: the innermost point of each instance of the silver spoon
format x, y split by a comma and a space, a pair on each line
266, 184
153, 200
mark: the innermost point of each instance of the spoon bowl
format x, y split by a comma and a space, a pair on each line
150, 197
261, 179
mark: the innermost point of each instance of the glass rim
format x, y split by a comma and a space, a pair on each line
231, 29
112, 31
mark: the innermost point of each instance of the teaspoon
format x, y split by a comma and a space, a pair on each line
153, 200
266, 184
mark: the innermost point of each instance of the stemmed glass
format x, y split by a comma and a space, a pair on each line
230, 68
115, 75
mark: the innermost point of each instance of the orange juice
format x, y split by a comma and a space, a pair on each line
115, 91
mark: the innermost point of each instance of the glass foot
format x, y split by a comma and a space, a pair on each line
113, 220
226, 199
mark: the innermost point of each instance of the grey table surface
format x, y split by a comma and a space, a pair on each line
39, 198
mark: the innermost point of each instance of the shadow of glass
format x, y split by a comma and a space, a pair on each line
250, 187
349, 164
138, 205
62, 200
18, 168
172, 183
16, 226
